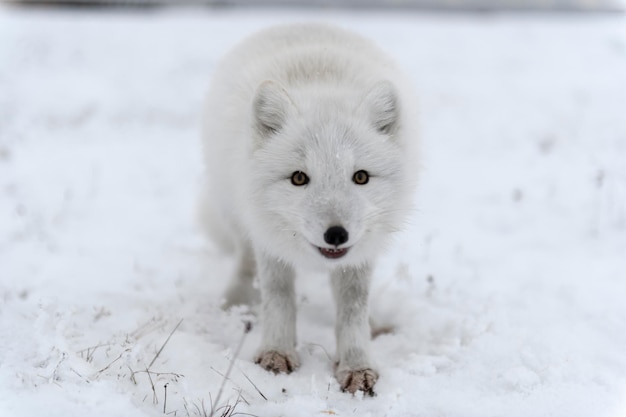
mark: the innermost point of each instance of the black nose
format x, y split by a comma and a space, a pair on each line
336, 235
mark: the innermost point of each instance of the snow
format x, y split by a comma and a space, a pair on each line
505, 294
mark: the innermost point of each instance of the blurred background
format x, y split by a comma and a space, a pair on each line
451, 5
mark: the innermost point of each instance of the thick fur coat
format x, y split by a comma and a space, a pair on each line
310, 142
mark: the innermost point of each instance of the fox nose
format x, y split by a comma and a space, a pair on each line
336, 235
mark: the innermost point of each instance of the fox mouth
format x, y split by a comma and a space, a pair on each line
333, 253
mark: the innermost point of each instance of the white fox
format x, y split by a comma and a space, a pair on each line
309, 144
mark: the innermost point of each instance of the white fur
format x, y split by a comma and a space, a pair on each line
326, 102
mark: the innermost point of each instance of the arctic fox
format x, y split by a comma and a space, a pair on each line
309, 139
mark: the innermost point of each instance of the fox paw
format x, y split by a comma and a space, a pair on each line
360, 380
277, 362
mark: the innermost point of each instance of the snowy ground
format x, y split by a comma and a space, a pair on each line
507, 295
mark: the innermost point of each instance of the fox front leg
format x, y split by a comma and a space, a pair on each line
241, 289
354, 369
278, 316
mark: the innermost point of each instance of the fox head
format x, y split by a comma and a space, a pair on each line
329, 179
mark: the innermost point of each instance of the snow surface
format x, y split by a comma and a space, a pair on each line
507, 294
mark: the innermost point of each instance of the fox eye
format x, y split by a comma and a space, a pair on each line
361, 177
299, 178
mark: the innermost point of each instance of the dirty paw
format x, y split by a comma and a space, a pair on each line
361, 380
277, 362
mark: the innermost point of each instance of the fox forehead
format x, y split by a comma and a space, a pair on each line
339, 152
328, 139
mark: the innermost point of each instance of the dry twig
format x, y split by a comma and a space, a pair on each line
246, 330
164, 343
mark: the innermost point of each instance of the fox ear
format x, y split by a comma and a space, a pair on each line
270, 107
382, 102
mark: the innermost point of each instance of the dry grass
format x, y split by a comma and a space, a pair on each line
197, 408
